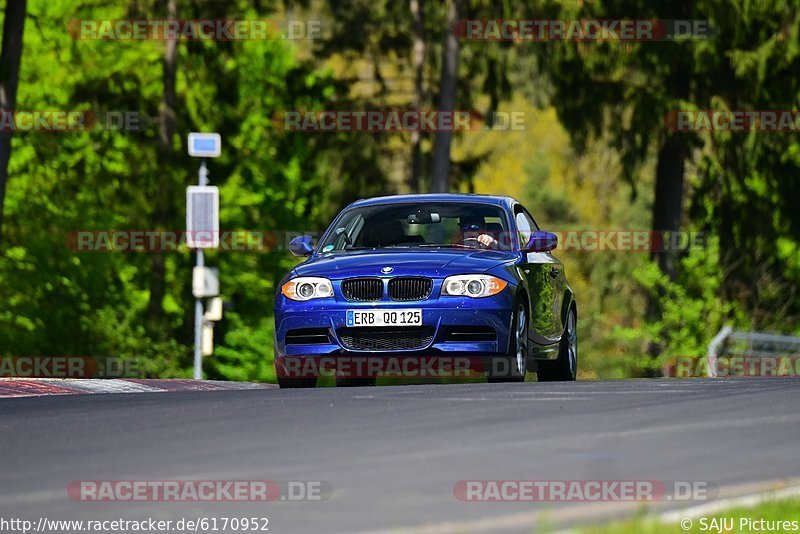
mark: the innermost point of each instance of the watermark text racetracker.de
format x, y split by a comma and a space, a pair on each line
393, 120
583, 30
609, 240
71, 121
198, 490
765, 366
69, 367
593, 240
583, 490
387, 366
194, 30
735, 120
613, 240
175, 240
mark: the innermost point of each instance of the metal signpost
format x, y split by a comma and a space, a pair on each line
202, 231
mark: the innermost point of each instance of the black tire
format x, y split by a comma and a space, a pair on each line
348, 382
293, 383
510, 368
565, 368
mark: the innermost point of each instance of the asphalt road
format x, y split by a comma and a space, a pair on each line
393, 454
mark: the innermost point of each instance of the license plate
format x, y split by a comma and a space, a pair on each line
412, 317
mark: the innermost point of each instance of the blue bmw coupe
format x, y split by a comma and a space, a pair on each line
424, 276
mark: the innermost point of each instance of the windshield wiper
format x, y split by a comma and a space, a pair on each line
455, 245
375, 248
446, 245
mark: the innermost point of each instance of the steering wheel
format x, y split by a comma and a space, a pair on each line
481, 245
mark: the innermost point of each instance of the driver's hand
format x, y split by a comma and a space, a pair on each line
486, 240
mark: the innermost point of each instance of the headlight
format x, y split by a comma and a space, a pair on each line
307, 288
472, 285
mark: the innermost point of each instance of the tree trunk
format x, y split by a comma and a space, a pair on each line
440, 177
10, 56
667, 212
668, 201
673, 151
418, 62
166, 130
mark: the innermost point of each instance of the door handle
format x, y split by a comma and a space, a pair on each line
554, 272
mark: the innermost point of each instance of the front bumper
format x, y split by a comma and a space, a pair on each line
440, 315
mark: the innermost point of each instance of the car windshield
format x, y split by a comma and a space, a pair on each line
412, 225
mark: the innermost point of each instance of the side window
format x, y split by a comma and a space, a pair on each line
525, 227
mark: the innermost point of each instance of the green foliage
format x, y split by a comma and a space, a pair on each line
245, 353
59, 301
585, 161
692, 310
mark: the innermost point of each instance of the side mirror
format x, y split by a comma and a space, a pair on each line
301, 246
541, 241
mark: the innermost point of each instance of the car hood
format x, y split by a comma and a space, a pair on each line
407, 262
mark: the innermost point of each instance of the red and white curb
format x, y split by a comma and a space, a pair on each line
16, 387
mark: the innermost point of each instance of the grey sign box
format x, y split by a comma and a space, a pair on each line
205, 282
202, 216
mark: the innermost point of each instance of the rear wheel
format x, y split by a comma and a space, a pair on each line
512, 367
565, 368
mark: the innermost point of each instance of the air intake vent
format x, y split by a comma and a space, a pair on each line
362, 289
395, 339
405, 289
307, 336
470, 333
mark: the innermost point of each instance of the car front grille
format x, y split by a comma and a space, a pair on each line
410, 288
362, 289
398, 338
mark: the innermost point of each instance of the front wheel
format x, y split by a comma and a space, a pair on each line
290, 380
292, 383
348, 382
513, 366
565, 368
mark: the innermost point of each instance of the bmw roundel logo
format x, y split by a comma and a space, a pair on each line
387, 270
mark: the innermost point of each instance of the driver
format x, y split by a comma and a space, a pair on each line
473, 227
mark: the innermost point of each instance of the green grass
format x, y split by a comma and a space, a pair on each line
778, 510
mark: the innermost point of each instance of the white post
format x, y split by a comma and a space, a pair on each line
201, 145
202, 179
714, 348
198, 328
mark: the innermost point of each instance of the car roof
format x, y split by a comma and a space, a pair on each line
506, 202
